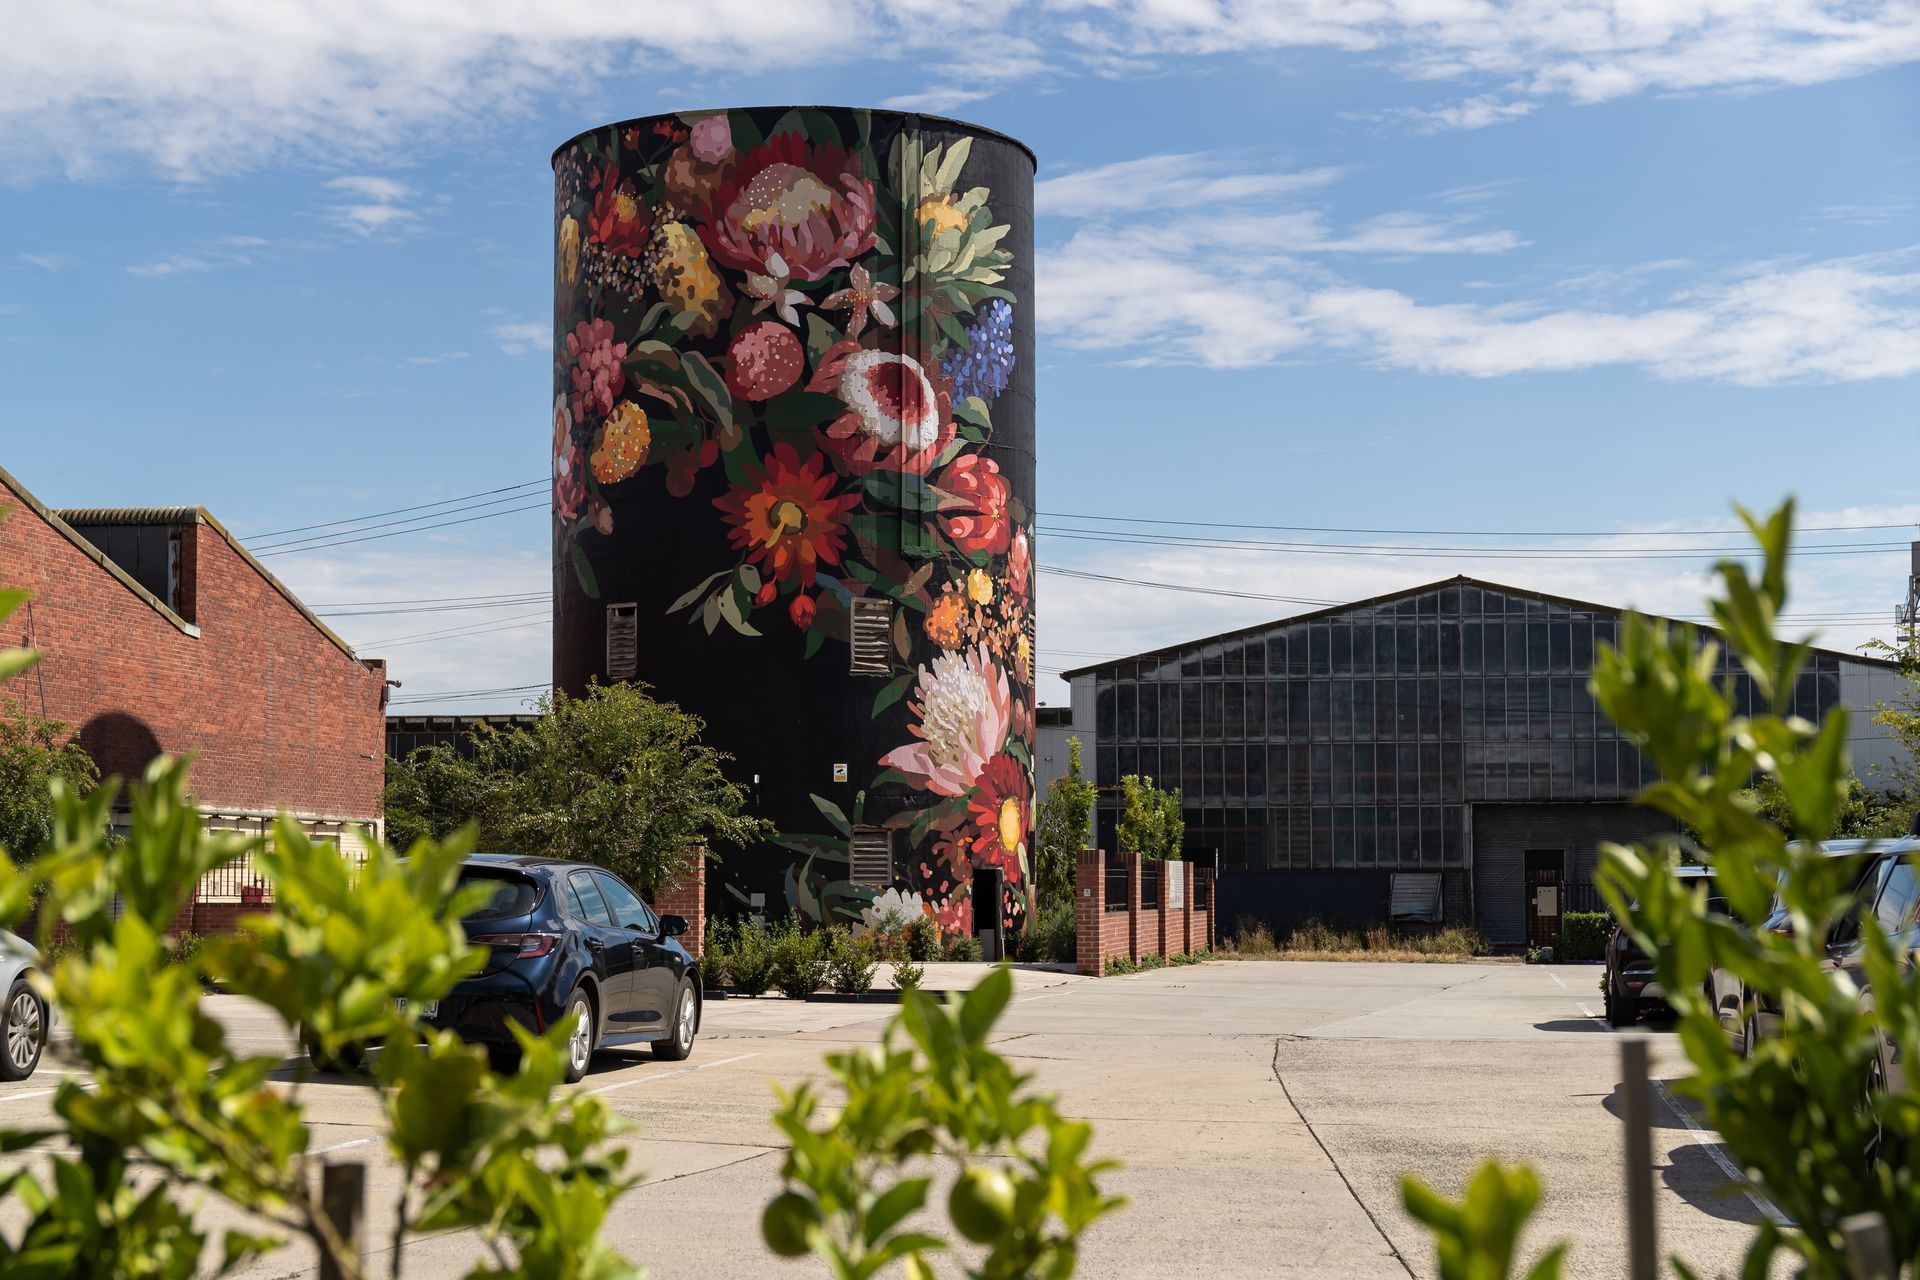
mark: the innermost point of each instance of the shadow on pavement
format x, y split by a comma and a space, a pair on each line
1572, 1024
1695, 1176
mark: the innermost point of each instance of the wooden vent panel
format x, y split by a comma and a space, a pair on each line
872, 637
871, 854
623, 641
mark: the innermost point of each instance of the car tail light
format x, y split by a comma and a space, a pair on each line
530, 944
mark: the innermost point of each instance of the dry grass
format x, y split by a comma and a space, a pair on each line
1314, 940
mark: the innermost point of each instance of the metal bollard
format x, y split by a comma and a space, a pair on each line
1637, 1097
343, 1198
1869, 1251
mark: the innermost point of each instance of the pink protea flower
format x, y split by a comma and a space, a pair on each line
975, 507
899, 416
791, 210
964, 708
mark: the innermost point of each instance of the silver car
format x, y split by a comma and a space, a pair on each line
27, 1018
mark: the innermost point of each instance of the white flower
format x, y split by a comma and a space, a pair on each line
890, 912
892, 398
964, 709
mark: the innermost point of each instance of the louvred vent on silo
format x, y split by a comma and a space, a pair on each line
623, 641
871, 855
872, 636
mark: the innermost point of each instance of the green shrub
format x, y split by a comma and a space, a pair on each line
714, 956
1050, 934
922, 940
1583, 936
850, 963
1119, 965
960, 946
750, 958
799, 961
1153, 962
907, 976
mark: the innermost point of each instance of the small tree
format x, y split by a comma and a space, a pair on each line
1064, 826
616, 778
1864, 814
1901, 716
34, 751
1150, 820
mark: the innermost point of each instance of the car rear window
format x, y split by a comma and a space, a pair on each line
512, 896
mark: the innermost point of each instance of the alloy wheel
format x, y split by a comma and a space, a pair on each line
580, 1043
24, 1029
685, 1032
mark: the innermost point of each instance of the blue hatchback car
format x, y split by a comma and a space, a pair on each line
571, 943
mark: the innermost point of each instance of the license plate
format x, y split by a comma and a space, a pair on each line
428, 1008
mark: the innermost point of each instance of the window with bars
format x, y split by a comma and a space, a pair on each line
871, 854
623, 641
872, 648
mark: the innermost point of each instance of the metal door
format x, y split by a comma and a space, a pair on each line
655, 984
1545, 888
613, 949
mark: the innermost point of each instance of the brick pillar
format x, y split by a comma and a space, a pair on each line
1089, 911
1161, 921
1133, 905
1186, 914
687, 899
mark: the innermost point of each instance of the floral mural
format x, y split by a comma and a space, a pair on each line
793, 332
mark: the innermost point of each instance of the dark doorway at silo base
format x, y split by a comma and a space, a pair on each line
1517, 851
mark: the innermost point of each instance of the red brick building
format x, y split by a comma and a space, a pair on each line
163, 635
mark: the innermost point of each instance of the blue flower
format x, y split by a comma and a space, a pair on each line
985, 366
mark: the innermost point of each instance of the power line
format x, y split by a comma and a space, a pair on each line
327, 538
449, 695
376, 537
375, 515
1465, 533
428, 635
477, 631
1387, 551
501, 602
1176, 586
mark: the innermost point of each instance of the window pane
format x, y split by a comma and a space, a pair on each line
1343, 837
1429, 647
1128, 725
1407, 724
1363, 854
1255, 777
1494, 637
1363, 649
1213, 699
1406, 647
1277, 708
1103, 700
1319, 706
1130, 760
1363, 709
1322, 838
1190, 730
1340, 661
1216, 778
1429, 708
1342, 774
1277, 763
1150, 711
1341, 695
1560, 644
1383, 648
1192, 772
1386, 836
1408, 756
1255, 701
592, 906
1320, 772
1363, 779
1234, 697
1539, 655
1384, 716
1319, 644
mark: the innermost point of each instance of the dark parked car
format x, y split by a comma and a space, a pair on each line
1749, 1017
571, 943
1629, 981
1896, 901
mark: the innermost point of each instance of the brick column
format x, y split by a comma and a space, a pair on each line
687, 899
1089, 911
1186, 916
1160, 924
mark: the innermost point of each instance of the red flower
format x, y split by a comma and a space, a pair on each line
954, 915
569, 483
801, 611
785, 518
899, 412
1020, 564
763, 360
790, 210
766, 594
619, 220
974, 509
597, 374
1001, 810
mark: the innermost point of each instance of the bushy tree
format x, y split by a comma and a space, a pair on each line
34, 751
617, 778
1150, 824
1063, 827
1901, 716
1865, 814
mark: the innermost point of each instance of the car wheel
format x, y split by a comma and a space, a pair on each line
679, 1041
1624, 1010
346, 1062
1749, 1029
580, 1043
26, 1020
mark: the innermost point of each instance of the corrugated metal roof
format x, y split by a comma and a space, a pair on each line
128, 515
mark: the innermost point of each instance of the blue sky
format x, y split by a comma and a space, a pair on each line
1532, 267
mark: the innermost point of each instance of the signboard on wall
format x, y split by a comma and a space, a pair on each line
1174, 876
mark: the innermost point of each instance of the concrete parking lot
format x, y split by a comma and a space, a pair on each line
1264, 1111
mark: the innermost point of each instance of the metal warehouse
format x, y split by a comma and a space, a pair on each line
1433, 753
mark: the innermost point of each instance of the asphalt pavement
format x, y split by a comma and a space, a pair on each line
1264, 1112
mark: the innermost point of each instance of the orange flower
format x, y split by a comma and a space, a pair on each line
622, 447
943, 621
785, 517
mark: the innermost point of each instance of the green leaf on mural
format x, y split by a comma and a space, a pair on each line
818, 126
710, 386
832, 813
731, 612
746, 134
879, 532
710, 612
814, 640
895, 690
588, 582
973, 409
802, 410
820, 336
951, 327
694, 594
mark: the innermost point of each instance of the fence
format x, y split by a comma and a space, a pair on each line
1124, 909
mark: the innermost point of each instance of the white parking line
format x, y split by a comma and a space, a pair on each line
1727, 1166
668, 1075
1591, 1014
39, 1093
1557, 982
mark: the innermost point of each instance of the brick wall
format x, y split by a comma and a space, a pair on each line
275, 714
687, 899
1101, 935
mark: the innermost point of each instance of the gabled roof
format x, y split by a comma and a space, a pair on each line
60, 519
1391, 597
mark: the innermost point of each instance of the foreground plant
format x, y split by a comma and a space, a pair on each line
931, 1088
1800, 1114
1478, 1236
345, 955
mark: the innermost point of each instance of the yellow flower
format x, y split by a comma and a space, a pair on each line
939, 210
569, 249
684, 274
979, 587
621, 448
1023, 650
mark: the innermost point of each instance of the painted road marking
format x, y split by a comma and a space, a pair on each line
1557, 982
668, 1075
41, 1093
1706, 1140
1591, 1014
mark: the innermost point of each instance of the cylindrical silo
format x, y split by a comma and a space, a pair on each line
793, 461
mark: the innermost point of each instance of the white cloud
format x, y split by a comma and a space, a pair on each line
172, 265
445, 357
517, 337
383, 190
1169, 181
46, 261
379, 208
1474, 113
192, 89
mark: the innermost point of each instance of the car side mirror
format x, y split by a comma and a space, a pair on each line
673, 926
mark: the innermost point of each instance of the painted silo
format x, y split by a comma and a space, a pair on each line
793, 455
